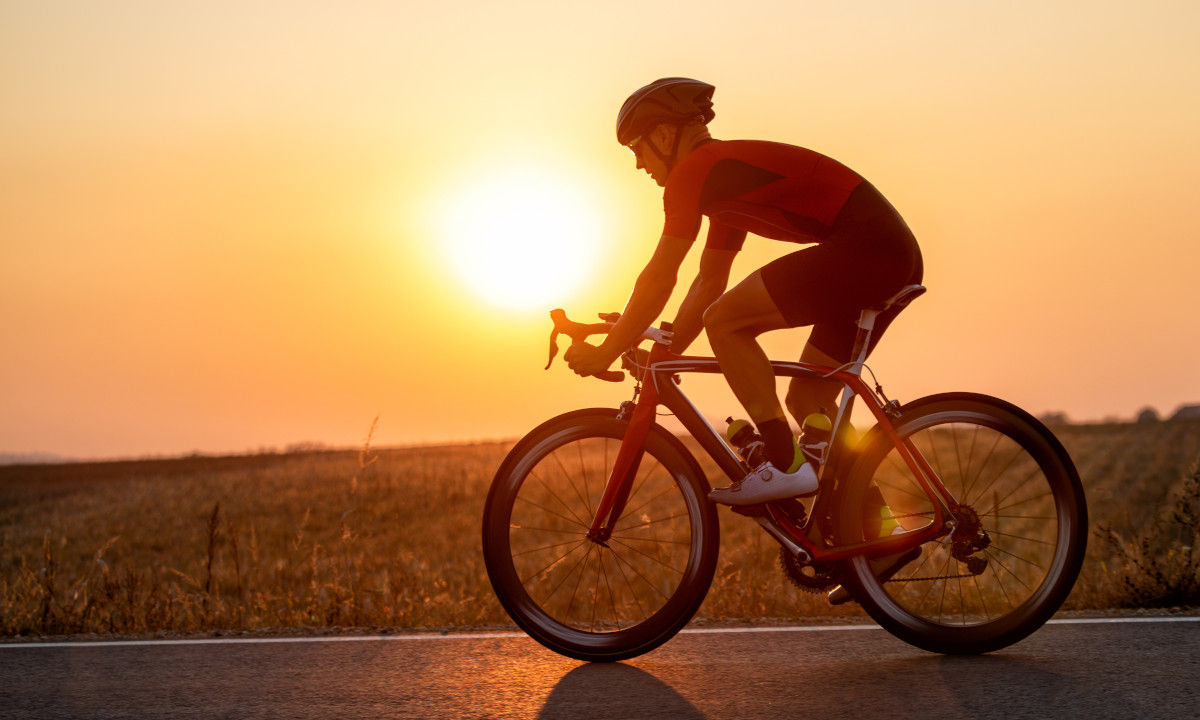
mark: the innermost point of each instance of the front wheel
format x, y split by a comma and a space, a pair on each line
1019, 525
598, 601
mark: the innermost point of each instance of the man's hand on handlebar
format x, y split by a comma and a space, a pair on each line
586, 359
589, 360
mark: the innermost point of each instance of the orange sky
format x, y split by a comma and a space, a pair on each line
222, 225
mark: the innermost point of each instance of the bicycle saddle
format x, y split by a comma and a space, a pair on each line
906, 295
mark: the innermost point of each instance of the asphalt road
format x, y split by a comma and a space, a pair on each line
1148, 669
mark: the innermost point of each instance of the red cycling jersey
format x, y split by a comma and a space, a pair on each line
771, 189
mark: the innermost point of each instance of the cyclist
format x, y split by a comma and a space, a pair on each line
863, 254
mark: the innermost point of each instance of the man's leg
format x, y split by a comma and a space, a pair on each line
807, 395
733, 323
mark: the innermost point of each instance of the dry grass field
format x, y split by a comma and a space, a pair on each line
390, 539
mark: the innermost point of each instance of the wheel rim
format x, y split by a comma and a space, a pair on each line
575, 583
1007, 486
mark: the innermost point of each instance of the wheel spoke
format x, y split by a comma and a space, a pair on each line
651, 558
993, 531
516, 526
637, 572
645, 479
918, 495
629, 586
997, 508
993, 558
957, 455
1016, 557
567, 576
962, 601
581, 524
941, 571
612, 599
587, 490
660, 541
1003, 470
982, 602
633, 513
544, 547
995, 443
570, 479
942, 601
552, 563
1017, 487
578, 582
577, 520
648, 523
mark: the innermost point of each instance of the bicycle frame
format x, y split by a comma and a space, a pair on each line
659, 385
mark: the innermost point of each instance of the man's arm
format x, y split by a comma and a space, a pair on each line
650, 295
710, 282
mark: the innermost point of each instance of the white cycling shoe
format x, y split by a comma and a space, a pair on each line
765, 483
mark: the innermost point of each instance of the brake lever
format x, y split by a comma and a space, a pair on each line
578, 332
553, 348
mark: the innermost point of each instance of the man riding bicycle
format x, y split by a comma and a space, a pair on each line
864, 253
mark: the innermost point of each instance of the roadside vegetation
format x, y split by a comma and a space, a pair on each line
390, 539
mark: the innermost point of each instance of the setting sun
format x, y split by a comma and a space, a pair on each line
520, 239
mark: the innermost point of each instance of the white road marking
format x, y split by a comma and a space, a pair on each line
516, 635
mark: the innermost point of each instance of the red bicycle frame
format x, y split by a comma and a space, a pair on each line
659, 384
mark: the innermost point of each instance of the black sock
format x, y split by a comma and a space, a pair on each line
779, 445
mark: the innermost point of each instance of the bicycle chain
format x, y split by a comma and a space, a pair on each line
934, 577
971, 565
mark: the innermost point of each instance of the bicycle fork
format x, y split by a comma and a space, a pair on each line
625, 467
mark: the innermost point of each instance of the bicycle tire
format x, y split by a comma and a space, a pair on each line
1032, 508
660, 559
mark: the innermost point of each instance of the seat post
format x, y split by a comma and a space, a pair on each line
862, 340
866, 324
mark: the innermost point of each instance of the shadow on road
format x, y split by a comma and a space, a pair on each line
615, 690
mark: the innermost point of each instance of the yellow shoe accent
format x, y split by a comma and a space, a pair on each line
798, 458
887, 521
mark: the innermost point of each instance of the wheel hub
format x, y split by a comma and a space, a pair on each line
968, 538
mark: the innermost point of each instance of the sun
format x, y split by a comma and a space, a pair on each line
521, 239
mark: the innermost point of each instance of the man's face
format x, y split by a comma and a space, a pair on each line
647, 158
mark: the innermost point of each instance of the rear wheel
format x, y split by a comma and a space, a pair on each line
585, 599
1019, 534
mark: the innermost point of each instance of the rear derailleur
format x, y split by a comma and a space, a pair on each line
969, 538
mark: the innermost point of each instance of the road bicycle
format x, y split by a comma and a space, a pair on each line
958, 522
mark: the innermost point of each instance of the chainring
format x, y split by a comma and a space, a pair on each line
809, 578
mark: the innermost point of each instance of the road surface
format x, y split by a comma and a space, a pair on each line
1146, 668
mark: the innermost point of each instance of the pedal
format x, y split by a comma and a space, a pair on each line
792, 509
750, 511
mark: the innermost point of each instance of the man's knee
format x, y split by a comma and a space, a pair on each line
808, 395
718, 319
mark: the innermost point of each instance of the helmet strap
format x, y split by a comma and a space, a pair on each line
669, 160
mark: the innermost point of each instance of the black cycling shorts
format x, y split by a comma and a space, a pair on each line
867, 258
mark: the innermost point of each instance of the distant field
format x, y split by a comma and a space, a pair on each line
390, 539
